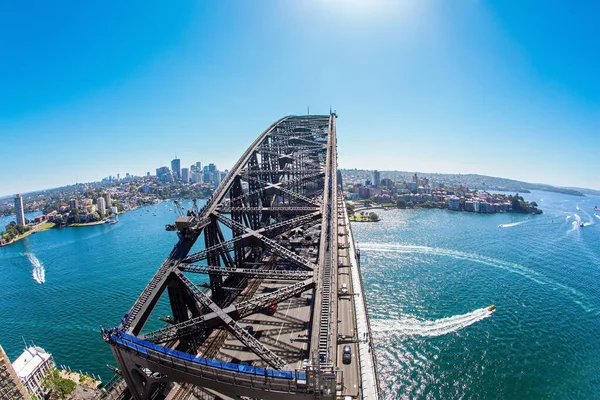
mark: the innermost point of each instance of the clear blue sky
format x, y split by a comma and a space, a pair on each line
504, 88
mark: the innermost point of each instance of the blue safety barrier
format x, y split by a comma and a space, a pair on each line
142, 346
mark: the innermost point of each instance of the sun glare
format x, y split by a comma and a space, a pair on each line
371, 9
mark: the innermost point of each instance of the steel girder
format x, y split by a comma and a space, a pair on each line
277, 274
285, 171
267, 355
237, 311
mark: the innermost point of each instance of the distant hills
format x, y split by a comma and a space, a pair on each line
473, 181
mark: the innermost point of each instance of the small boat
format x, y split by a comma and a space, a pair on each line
491, 308
581, 225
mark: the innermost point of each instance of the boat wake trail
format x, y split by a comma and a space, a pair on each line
457, 255
597, 216
575, 224
38, 273
590, 220
514, 268
514, 224
413, 326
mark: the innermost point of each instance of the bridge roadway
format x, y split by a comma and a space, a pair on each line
254, 333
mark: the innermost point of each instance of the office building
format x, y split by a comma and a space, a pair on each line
31, 367
176, 168
453, 203
19, 210
162, 173
376, 178
364, 192
196, 177
185, 175
11, 387
387, 183
107, 200
73, 204
101, 203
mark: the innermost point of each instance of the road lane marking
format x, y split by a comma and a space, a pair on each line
286, 314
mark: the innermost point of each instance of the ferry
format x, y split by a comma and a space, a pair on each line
491, 308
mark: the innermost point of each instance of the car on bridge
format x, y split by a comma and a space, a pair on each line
272, 308
347, 355
344, 289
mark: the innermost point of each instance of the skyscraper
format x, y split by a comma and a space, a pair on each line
107, 199
176, 168
196, 177
376, 178
19, 210
101, 205
185, 175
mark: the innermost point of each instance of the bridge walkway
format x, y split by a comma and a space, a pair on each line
366, 352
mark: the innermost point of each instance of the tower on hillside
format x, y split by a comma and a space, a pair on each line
19, 210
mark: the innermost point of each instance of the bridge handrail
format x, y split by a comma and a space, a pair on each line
364, 300
147, 349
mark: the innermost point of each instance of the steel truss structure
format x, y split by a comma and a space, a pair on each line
284, 184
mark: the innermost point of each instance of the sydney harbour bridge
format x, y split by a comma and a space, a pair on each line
284, 313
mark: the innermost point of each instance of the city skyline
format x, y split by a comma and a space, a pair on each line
473, 87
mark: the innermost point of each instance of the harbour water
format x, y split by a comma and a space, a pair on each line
429, 276
92, 275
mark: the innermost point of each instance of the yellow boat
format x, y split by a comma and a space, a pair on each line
491, 308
